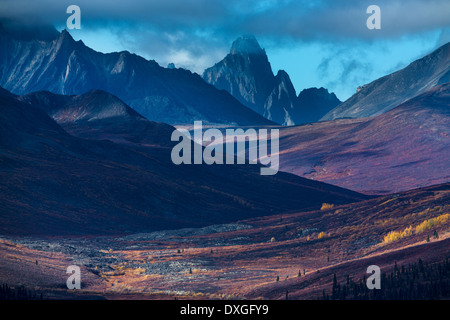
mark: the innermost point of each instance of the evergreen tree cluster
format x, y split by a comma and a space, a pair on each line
417, 281
18, 293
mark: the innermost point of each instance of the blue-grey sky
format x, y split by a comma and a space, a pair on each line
319, 43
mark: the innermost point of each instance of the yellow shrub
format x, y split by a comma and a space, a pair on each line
321, 235
431, 223
407, 232
326, 206
426, 225
397, 235
392, 237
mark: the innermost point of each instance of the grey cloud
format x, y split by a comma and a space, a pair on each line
165, 28
276, 18
193, 52
347, 66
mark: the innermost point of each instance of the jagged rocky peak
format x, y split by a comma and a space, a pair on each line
65, 41
65, 33
65, 36
247, 45
246, 73
283, 75
282, 80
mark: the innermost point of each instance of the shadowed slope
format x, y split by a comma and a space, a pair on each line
53, 183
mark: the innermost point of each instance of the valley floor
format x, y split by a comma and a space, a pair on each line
295, 255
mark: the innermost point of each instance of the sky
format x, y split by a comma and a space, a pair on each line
322, 43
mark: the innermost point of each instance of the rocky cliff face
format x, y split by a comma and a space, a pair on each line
246, 73
282, 101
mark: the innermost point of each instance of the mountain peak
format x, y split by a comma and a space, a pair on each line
65, 40
246, 73
65, 35
282, 75
246, 45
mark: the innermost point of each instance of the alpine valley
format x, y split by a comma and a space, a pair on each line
87, 179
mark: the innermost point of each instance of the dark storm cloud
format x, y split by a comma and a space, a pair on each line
277, 18
196, 33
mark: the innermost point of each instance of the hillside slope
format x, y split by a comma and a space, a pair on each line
53, 183
403, 149
388, 92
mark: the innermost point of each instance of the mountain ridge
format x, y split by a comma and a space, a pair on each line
69, 67
391, 90
100, 115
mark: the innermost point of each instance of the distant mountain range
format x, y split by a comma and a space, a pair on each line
246, 73
47, 60
52, 61
405, 148
55, 183
388, 92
